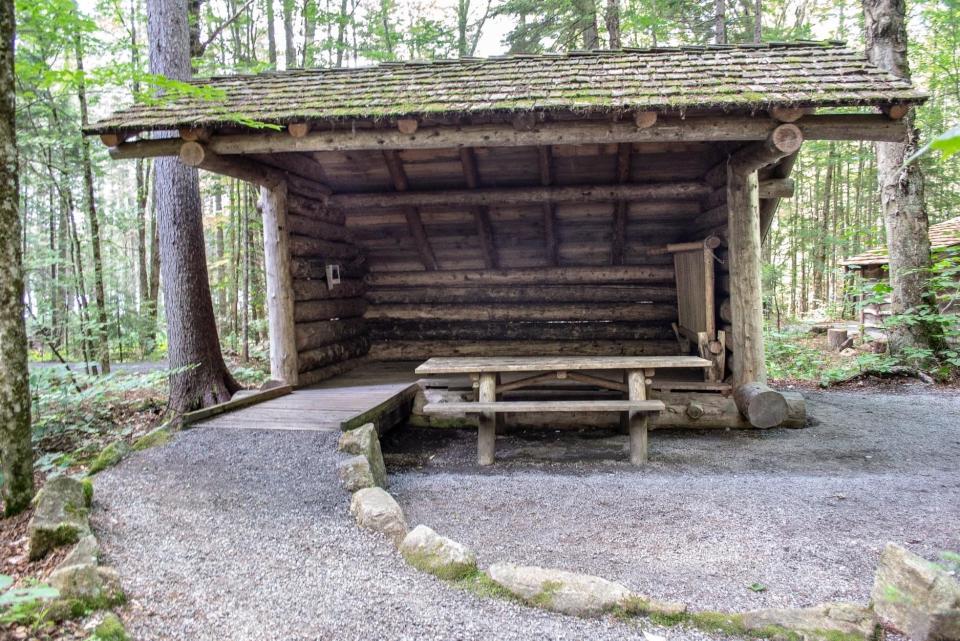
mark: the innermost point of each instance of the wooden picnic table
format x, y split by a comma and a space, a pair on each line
486, 371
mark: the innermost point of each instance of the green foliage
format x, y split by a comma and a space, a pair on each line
108, 456
27, 605
790, 355
947, 143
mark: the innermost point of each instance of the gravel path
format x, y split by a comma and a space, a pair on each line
246, 535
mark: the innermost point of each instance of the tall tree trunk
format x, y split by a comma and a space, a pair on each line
612, 19
901, 188
271, 35
463, 17
16, 453
720, 22
758, 22
191, 326
341, 33
310, 12
591, 37
290, 52
90, 203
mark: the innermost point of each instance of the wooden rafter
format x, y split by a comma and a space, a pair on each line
680, 190
619, 240
481, 214
545, 157
411, 213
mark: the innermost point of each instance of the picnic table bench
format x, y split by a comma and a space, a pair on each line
485, 372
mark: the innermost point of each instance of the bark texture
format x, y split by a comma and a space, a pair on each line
901, 188
191, 325
16, 455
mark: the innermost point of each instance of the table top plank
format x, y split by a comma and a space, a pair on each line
493, 364
516, 407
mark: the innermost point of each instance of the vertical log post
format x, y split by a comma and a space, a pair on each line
637, 391
487, 433
745, 282
762, 406
276, 258
743, 237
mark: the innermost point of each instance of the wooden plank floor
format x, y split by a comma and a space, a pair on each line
374, 392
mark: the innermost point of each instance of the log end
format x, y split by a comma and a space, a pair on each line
762, 406
787, 138
645, 119
192, 154
298, 129
408, 126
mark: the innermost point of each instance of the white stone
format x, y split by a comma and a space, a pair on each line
355, 474
559, 590
426, 550
376, 510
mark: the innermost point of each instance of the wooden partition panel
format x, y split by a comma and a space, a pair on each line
543, 311
330, 333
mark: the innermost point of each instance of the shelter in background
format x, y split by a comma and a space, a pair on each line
871, 267
589, 203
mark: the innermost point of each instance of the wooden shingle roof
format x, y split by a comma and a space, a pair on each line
942, 235
724, 78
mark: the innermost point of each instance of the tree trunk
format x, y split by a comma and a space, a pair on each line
191, 326
310, 11
463, 15
901, 188
16, 455
612, 19
290, 52
103, 341
271, 35
758, 22
720, 22
591, 38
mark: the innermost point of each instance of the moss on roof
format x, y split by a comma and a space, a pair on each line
942, 235
677, 79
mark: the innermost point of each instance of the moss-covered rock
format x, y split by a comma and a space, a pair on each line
355, 473
916, 596
364, 441
825, 622
155, 438
559, 590
110, 629
60, 517
109, 456
426, 550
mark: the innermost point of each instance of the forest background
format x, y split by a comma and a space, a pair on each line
89, 229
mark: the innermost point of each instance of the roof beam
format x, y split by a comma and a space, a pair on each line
491, 197
877, 127
619, 240
194, 154
411, 213
552, 245
481, 215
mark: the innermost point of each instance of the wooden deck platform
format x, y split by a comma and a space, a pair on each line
379, 393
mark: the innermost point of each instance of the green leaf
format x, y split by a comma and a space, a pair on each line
947, 143
33, 593
5, 581
757, 587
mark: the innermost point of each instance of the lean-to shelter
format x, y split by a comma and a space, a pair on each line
587, 203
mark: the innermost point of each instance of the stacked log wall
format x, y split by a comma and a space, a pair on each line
331, 335
522, 312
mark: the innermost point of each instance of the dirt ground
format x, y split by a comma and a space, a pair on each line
803, 513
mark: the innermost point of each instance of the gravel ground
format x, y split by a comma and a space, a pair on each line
246, 535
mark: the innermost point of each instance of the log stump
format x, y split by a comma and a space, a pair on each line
761, 406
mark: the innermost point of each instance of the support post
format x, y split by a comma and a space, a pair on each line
746, 300
487, 433
637, 391
276, 257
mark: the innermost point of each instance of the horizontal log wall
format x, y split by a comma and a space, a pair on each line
616, 310
331, 335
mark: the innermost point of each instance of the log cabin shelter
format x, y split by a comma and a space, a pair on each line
586, 203
872, 268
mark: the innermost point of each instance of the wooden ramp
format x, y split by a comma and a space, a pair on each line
378, 393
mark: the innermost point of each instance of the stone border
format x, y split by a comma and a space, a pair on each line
62, 517
909, 594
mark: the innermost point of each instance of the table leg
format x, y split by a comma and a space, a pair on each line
624, 418
637, 391
487, 433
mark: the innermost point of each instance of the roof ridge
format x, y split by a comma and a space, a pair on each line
573, 53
